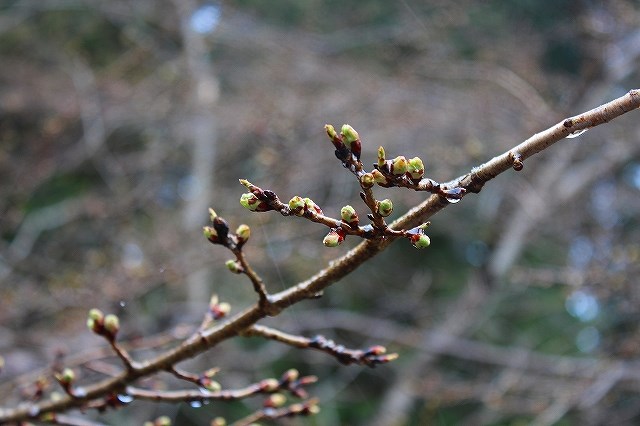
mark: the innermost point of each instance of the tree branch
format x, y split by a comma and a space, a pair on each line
339, 268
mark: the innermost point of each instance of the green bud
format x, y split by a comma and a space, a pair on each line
310, 205
379, 178
420, 241
211, 385
212, 214
234, 266
95, 319
331, 131
269, 385
163, 421
349, 215
112, 324
66, 376
243, 232
416, 168
399, 165
296, 205
349, 134
332, 239
275, 400
219, 421
313, 409
385, 207
246, 183
367, 180
251, 202
291, 375
210, 233
211, 372
381, 157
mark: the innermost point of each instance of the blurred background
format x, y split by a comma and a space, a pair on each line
121, 122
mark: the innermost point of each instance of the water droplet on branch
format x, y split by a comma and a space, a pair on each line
576, 133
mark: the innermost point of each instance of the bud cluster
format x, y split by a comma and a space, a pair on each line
206, 380
300, 206
103, 325
218, 309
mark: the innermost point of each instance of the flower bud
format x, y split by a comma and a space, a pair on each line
219, 421
252, 202
210, 385
269, 385
420, 241
220, 310
379, 178
211, 372
385, 207
290, 375
416, 168
367, 180
163, 421
399, 165
349, 134
296, 205
95, 319
66, 377
331, 131
112, 324
234, 266
210, 233
333, 239
351, 139
381, 157
311, 206
275, 400
243, 232
212, 214
349, 215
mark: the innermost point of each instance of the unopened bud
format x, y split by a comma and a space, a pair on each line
333, 239
211, 372
311, 206
210, 233
95, 319
250, 201
163, 421
234, 266
112, 324
349, 215
379, 178
367, 180
212, 214
399, 165
211, 385
66, 377
219, 421
220, 310
349, 134
269, 385
275, 400
296, 205
351, 140
290, 375
381, 157
420, 241
385, 207
331, 131
416, 168
243, 232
